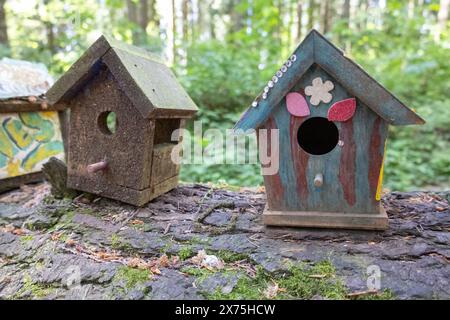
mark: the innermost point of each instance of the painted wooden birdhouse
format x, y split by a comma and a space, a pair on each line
125, 105
333, 122
31, 132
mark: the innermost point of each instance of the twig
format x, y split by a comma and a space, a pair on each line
362, 293
124, 223
167, 228
225, 204
200, 203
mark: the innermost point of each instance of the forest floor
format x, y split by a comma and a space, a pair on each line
199, 242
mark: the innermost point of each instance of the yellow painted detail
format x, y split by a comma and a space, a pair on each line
13, 168
380, 179
27, 140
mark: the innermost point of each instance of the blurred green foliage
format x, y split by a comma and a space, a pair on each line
223, 75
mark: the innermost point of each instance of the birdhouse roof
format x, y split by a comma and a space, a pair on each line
144, 78
316, 49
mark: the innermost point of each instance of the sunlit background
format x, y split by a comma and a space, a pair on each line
224, 51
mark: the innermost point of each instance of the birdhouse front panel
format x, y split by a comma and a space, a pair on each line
326, 165
333, 121
105, 127
125, 106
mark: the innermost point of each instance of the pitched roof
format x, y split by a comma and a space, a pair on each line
315, 49
145, 79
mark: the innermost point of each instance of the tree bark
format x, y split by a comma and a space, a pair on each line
4, 40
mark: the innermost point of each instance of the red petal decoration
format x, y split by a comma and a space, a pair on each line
297, 105
343, 110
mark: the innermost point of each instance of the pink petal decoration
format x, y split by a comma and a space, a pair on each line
342, 110
297, 105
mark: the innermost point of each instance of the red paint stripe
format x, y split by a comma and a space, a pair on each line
375, 158
299, 159
274, 187
347, 167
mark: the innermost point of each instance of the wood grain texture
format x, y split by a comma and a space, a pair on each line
16, 182
336, 220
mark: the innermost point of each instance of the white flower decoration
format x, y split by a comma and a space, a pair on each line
319, 91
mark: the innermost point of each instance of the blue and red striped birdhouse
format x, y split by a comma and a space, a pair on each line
333, 123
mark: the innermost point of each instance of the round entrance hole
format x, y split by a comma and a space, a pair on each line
318, 136
107, 122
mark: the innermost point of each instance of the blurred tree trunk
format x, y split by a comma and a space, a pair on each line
442, 18
3, 26
50, 37
200, 26
311, 11
236, 18
325, 16
363, 7
132, 12
144, 20
185, 20
174, 32
346, 13
299, 20
153, 14
212, 28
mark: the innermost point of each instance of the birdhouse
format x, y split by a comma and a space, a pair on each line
31, 131
126, 106
332, 120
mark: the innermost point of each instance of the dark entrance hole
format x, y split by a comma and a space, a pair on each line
318, 136
107, 122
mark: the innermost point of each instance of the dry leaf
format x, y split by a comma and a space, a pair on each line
272, 290
18, 232
155, 270
70, 242
164, 261
56, 236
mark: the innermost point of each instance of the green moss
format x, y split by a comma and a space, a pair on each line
131, 276
166, 248
320, 279
383, 295
36, 290
229, 256
300, 282
185, 253
118, 244
25, 239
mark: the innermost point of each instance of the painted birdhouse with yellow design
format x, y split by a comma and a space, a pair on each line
30, 129
332, 120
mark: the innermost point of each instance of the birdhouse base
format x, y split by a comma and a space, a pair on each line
136, 198
329, 220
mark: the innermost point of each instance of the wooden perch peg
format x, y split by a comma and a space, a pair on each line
95, 167
318, 180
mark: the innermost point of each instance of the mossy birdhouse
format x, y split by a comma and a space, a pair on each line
333, 122
125, 107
